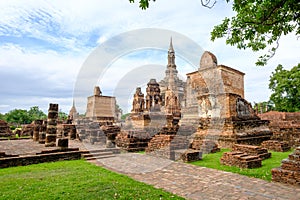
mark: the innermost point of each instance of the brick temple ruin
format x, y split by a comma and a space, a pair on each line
101, 108
284, 126
154, 119
177, 119
98, 126
4, 129
206, 111
224, 115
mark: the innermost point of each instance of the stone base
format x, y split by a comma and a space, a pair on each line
274, 145
50, 140
206, 146
285, 126
289, 171
230, 131
4, 129
139, 120
191, 155
67, 130
159, 141
89, 131
62, 143
133, 140
240, 159
252, 150
110, 144
286, 176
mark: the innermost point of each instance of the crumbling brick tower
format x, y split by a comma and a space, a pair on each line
223, 114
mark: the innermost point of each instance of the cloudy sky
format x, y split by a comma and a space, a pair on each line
44, 45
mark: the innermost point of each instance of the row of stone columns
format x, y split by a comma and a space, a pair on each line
45, 132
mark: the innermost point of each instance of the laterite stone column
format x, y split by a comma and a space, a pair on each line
51, 125
42, 135
36, 129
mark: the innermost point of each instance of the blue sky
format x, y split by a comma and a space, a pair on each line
43, 45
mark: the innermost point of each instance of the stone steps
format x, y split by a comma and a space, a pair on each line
99, 153
274, 145
252, 150
54, 156
289, 171
240, 159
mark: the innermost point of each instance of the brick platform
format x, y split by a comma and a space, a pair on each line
252, 150
274, 145
240, 159
133, 140
289, 172
4, 129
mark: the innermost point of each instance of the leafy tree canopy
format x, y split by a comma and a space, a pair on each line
264, 106
123, 117
285, 85
2, 117
20, 116
35, 113
62, 115
258, 24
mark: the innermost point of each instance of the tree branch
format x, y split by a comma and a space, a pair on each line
266, 18
207, 2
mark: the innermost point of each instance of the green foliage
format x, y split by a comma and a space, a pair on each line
259, 24
118, 108
123, 117
12, 128
285, 86
144, 4
73, 180
35, 113
62, 115
20, 116
264, 106
2, 117
264, 172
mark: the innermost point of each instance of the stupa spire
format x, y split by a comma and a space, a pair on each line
171, 55
171, 49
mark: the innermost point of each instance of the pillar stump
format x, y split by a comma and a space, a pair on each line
51, 125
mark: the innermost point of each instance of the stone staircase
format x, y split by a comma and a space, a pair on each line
95, 154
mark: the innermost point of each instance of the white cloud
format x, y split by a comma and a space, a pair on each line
44, 44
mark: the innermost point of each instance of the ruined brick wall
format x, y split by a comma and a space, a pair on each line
289, 171
27, 130
133, 140
101, 106
284, 125
159, 141
35, 159
233, 80
67, 130
4, 129
217, 88
240, 159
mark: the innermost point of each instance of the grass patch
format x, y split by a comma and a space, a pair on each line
73, 180
141, 152
264, 172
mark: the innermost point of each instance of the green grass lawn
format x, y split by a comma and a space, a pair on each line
264, 172
73, 180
